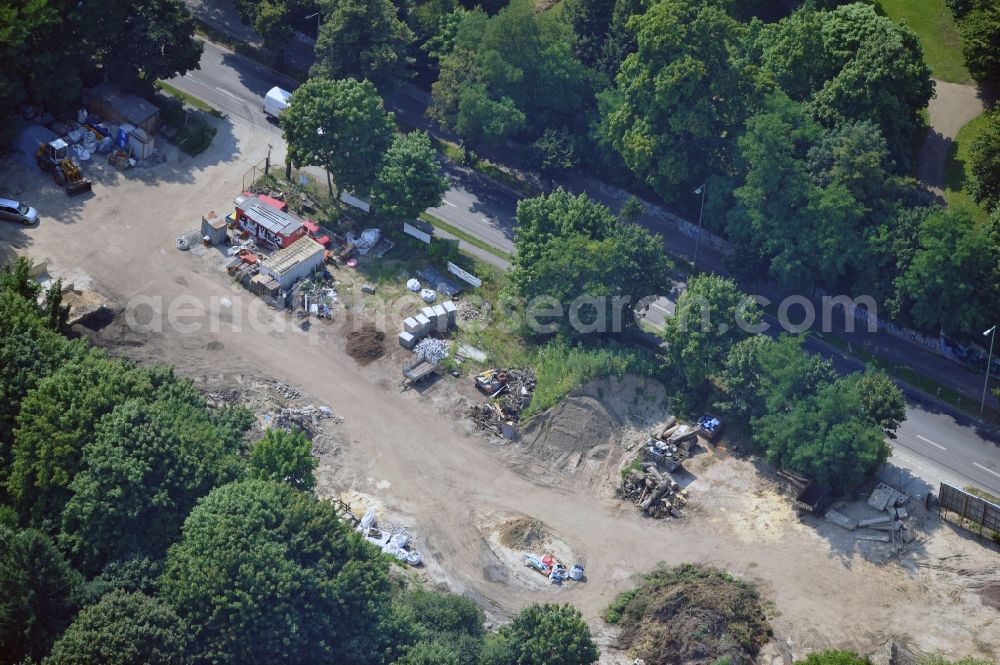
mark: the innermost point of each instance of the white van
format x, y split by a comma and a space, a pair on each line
276, 101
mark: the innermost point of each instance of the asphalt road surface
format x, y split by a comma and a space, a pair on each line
944, 443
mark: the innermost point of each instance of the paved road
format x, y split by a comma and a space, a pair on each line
949, 444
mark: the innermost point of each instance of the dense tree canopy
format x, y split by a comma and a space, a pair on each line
682, 96
123, 629
147, 465
984, 158
251, 553
362, 39
39, 594
569, 248
711, 316
850, 64
341, 126
980, 33
512, 71
284, 457
546, 635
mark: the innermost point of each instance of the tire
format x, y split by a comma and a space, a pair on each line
60, 177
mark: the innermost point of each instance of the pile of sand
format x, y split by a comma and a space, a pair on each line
522, 533
575, 436
366, 345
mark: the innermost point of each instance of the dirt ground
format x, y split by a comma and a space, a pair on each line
413, 450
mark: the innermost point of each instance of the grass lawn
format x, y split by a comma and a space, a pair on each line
938, 33
957, 170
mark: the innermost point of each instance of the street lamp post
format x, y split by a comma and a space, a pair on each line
697, 241
992, 332
317, 17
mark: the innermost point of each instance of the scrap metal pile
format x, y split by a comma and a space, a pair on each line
510, 392
654, 491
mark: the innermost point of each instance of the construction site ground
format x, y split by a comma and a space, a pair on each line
461, 493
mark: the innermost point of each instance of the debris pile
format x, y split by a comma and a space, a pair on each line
510, 391
392, 539
654, 491
548, 566
469, 312
306, 417
672, 446
431, 349
366, 345
287, 391
887, 527
366, 241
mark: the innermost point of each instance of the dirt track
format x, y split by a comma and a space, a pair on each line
420, 460
953, 106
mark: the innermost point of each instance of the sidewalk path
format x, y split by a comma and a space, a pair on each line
954, 105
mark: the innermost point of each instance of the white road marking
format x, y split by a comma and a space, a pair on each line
448, 203
926, 440
986, 470
487, 220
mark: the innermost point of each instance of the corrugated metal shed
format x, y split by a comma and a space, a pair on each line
297, 260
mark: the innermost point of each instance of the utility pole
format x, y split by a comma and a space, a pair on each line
697, 242
992, 332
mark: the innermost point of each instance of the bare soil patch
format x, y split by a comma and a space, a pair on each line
522, 533
366, 345
990, 594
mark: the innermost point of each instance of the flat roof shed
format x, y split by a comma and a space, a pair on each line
296, 261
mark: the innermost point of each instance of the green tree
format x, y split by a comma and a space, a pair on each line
514, 70
150, 40
284, 457
123, 629
555, 152
984, 159
825, 434
409, 180
941, 288
744, 377
270, 21
547, 635
882, 401
980, 35
55, 421
39, 594
850, 64
146, 467
785, 225
590, 20
362, 39
682, 96
448, 629
341, 126
576, 252
484, 121
251, 554
711, 316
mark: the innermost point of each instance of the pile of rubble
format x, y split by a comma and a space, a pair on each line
390, 538
888, 527
469, 312
287, 391
654, 491
305, 418
432, 349
506, 404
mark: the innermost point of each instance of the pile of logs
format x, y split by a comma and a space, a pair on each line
654, 491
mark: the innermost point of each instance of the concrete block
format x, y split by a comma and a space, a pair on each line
407, 341
451, 310
423, 322
883, 519
411, 326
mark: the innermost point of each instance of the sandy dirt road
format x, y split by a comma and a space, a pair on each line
420, 460
953, 106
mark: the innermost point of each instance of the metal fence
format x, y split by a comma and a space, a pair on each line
970, 507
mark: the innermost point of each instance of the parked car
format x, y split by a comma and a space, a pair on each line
15, 211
